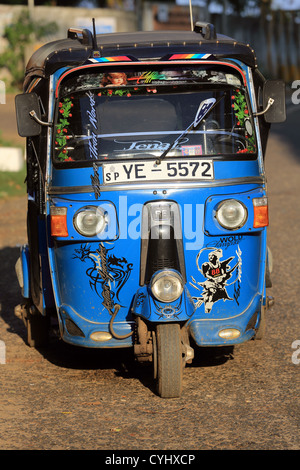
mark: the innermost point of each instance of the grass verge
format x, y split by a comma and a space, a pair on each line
12, 183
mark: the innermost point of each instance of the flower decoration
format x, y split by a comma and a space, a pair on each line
119, 92
241, 112
61, 137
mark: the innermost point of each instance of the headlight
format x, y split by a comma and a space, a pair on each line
231, 214
167, 285
89, 221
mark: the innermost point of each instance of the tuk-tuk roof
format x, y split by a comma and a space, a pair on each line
76, 50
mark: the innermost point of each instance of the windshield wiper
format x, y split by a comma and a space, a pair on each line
204, 108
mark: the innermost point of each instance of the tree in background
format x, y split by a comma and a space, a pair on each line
19, 35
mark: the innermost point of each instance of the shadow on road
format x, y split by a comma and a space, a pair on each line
10, 293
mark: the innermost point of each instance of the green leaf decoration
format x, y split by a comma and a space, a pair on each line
241, 113
65, 107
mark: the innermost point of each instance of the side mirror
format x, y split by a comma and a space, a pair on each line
25, 104
274, 90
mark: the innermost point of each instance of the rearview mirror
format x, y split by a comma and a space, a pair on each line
27, 125
274, 90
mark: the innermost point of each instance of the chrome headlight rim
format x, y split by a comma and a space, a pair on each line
240, 221
160, 276
99, 225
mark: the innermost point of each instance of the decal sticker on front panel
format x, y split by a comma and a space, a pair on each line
107, 273
219, 277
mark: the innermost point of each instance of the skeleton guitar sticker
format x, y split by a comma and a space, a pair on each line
219, 274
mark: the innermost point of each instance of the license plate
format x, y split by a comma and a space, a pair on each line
144, 171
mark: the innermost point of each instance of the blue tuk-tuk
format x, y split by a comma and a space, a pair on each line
147, 202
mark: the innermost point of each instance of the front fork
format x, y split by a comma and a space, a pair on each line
166, 345
149, 314
144, 347
161, 248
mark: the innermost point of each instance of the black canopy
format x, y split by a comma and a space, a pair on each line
138, 45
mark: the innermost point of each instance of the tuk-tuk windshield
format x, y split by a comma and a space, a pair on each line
129, 114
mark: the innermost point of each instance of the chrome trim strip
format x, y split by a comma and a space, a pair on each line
52, 190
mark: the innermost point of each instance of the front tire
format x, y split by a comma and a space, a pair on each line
168, 360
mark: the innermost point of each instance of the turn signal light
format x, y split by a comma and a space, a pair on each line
58, 221
261, 215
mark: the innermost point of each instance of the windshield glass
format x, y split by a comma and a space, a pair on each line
134, 114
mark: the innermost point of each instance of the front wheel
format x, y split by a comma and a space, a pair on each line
36, 324
168, 360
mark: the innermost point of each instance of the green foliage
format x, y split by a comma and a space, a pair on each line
12, 183
240, 107
242, 114
19, 35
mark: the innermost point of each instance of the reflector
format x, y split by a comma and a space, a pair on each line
58, 221
261, 216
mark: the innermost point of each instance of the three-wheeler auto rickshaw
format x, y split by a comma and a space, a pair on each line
147, 203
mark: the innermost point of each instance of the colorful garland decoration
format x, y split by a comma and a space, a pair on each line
118, 91
61, 139
65, 107
241, 113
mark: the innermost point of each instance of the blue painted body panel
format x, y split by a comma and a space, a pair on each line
83, 270
76, 266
